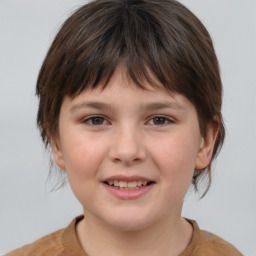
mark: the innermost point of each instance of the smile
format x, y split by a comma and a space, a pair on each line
130, 185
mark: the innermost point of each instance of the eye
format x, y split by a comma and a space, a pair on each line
160, 120
95, 120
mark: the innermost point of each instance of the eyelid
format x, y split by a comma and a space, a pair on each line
86, 120
168, 119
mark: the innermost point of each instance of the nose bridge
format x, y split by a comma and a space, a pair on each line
128, 144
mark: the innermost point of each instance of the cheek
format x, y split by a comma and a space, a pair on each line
82, 155
175, 157
176, 152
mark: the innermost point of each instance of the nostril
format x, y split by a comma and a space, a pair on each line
127, 150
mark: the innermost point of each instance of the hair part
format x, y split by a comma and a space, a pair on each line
159, 37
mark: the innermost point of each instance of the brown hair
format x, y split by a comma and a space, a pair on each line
148, 36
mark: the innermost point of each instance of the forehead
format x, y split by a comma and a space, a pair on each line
121, 91
121, 82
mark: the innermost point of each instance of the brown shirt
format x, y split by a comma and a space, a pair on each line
64, 242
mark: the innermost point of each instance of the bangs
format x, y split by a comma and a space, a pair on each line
127, 36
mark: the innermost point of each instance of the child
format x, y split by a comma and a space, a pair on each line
130, 104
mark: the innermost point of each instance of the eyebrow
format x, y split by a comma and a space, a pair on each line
147, 106
90, 105
163, 105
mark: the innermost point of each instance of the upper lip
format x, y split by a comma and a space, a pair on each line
127, 178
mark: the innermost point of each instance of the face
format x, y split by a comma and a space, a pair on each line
130, 153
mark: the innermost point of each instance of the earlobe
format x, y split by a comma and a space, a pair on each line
57, 154
206, 147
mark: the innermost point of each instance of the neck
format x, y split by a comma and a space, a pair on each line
169, 237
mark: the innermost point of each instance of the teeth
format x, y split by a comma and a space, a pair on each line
122, 184
132, 184
126, 185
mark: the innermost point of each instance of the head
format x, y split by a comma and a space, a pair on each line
157, 42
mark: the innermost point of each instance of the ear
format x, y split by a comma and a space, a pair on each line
206, 147
57, 153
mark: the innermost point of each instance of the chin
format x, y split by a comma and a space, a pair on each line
129, 222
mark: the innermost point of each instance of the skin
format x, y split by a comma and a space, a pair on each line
131, 136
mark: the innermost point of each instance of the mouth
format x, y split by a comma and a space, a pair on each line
128, 185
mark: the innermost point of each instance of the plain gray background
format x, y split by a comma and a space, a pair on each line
28, 210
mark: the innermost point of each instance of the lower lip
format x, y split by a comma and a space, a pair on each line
128, 194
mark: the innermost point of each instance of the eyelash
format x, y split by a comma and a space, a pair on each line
166, 120
91, 118
103, 120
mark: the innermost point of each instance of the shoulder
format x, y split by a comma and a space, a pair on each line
59, 243
206, 243
211, 244
48, 245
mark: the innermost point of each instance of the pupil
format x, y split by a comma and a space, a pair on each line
159, 120
97, 120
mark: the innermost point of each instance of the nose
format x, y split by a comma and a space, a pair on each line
127, 146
